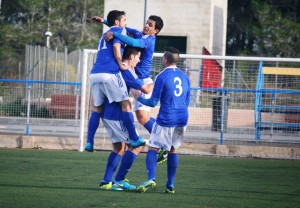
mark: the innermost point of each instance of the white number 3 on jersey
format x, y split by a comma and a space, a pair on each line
178, 83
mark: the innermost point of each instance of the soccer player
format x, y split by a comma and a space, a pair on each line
172, 90
107, 82
145, 40
116, 131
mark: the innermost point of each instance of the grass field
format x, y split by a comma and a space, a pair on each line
43, 178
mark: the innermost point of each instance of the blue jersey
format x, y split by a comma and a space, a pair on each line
106, 62
143, 68
112, 111
172, 89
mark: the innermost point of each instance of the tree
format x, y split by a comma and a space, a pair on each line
26, 21
275, 35
263, 28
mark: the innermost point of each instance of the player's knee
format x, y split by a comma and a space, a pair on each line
172, 150
126, 106
97, 109
119, 148
142, 117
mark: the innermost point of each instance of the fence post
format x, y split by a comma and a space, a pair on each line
28, 108
83, 98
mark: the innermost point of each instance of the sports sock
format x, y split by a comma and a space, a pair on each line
126, 163
111, 166
149, 124
93, 126
151, 162
128, 121
172, 163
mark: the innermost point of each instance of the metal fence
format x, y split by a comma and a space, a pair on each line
235, 101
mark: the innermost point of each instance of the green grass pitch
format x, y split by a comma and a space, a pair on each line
44, 178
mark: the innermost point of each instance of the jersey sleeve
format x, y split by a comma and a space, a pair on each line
132, 80
156, 94
140, 43
134, 33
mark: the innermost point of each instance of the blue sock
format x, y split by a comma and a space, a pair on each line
172, 163
151, 162
149, 124
126, 163
128, 122
111, 166
93, 126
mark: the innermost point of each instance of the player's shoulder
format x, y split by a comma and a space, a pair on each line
117, 29
149, 37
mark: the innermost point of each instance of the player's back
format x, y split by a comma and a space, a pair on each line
106, 62
175, 97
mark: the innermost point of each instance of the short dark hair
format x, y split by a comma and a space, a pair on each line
159, 23
113, 16
128, 51
172, 55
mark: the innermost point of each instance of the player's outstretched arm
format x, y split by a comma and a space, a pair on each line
147, 88
140, 43
149, 102
134, 33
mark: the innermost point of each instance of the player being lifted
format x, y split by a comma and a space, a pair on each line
146, 41
106, 81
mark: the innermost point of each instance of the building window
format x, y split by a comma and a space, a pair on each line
166, 41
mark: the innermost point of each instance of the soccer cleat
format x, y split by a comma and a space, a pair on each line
122, 186
170, 190
89, 147
105, 185
138, 143
162, 156
147, 184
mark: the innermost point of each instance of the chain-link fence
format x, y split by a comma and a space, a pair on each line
231, 104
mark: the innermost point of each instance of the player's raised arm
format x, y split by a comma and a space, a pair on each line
98, 19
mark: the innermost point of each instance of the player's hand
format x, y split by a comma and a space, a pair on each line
135, 93
97, 19
108, 36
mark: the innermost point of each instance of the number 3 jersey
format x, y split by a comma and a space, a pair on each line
172, 89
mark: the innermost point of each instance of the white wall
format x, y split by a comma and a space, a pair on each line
203, 22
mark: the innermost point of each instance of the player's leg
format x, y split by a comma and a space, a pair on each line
172, 164
151, 163
98, 99
125, 166
117, 137
111, 166
92, 128
128, 121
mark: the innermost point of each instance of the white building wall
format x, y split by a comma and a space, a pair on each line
203, 22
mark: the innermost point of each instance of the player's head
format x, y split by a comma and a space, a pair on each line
153, 25
131, 56
171, 56
116, 18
